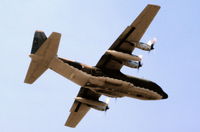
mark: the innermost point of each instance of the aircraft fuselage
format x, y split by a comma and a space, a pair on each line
116, 84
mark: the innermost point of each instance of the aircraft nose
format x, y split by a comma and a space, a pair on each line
160, 91
165, 96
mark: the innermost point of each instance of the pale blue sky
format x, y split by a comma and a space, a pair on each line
88, 29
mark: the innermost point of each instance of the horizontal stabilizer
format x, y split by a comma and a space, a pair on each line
42, 56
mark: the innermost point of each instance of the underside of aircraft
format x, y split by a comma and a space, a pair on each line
103, 79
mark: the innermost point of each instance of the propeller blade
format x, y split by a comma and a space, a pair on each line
140, 64
107, 100
140, 56
154, 40
151, 42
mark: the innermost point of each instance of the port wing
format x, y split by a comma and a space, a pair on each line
132, 33
78, 109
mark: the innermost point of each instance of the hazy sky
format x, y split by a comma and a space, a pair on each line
88, 29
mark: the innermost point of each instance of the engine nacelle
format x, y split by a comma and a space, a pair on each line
147, 46
123, 56
133, 64
98, 105
144, 46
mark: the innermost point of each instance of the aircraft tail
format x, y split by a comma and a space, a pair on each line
43, 51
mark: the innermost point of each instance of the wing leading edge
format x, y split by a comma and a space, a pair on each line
132, 33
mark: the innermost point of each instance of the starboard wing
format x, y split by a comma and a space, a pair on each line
132, 33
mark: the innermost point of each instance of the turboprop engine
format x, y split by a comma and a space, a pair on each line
124, 56
133, 64
145, 46
98, 105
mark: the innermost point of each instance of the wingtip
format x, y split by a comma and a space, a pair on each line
152, 5
69, 125
28, 79
27, 82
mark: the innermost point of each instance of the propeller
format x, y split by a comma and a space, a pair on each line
139, 64
107, 102
152, 43
140, 56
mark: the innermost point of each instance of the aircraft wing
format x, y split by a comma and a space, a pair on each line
132, 33
78, 109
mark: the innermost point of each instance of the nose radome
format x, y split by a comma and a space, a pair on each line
165, 96
160, 91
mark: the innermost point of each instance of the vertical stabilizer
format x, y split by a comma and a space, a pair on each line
38, 40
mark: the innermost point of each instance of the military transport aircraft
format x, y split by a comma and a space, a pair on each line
103, 79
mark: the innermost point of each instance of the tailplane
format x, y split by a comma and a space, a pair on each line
43, 51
